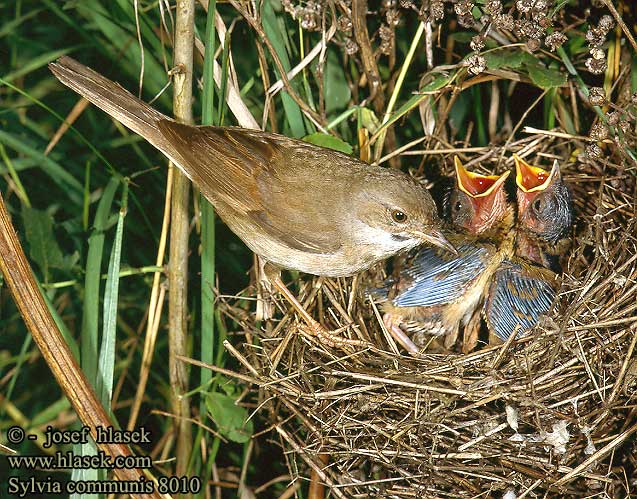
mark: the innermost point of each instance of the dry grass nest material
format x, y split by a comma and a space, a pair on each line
552, 414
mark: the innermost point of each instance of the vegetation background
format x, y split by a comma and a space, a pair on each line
407, 84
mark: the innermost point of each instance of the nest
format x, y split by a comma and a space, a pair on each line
551, 414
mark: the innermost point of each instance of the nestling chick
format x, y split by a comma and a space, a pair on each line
436, 293
545, 213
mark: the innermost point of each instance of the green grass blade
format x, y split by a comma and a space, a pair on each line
221, 110
67, 182
90, 316
109, 330
208, 224
274, 33
37, 63
208, 96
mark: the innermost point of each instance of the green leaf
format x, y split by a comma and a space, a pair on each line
462, 36
229, 417
93, 271
546, 77
438, 82
44, 249
505, 58
369, 120
37, 62
324, 140
337, 91
106, 362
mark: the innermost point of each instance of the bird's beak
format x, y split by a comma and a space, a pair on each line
481, 189
435, 237
476, 185
532, 178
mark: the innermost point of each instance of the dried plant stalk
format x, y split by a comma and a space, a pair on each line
178, 269
55, 351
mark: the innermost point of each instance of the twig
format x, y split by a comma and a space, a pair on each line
178, 268
621, 23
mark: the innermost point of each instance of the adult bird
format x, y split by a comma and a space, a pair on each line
297, 205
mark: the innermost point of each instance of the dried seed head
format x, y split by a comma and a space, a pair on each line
541, 6
624, 126
393, 17
529, 29
308, 22
595, 66
289, 8
598, 53
596, 96
386, 35
437, 9
533, 44
606, 23
595, 37
504, 22
493, 7
477, 43
476, 64
541, 18
463, 7
593, 151
344, 24
407, 4
351, 47
555, 40
524, 6
633, 98
613, 118
599, 131
390, 4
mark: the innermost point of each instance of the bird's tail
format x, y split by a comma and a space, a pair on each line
113, 99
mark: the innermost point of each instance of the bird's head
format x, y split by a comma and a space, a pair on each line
398, 212
478, 202
544, 201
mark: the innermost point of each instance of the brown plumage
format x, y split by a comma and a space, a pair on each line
297, 205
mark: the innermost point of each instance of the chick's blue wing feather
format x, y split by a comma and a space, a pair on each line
436, 278
519, 294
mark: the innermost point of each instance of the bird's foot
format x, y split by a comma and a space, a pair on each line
332, 338
392, 323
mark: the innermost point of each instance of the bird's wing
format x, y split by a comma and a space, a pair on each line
519, 294
249, 173
436, 278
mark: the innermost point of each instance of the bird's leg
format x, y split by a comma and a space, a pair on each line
330, 338
472, 332
392, 323
451, 337
265, 308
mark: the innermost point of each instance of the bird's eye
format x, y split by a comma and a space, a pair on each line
538, 204
399, 216
457, 206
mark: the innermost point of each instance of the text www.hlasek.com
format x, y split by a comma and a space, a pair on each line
69, 460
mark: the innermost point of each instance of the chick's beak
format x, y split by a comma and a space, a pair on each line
532, 178
435, 237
